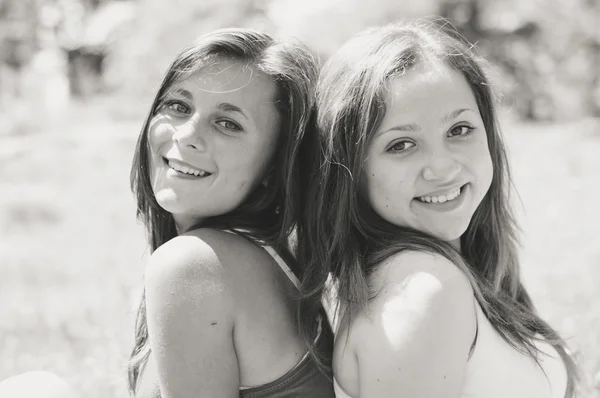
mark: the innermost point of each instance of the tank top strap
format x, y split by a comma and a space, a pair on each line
280, 261
283, 265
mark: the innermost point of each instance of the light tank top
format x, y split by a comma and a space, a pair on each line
496, 370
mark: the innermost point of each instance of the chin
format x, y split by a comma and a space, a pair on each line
448, 235
169, 201
169, 207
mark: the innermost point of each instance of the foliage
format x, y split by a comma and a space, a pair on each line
545, 53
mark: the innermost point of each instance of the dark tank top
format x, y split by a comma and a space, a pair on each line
305, 379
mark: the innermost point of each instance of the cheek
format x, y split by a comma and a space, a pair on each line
159, 134
486, 177
483, 165
245, 170
255, 159
159, 131
386, 185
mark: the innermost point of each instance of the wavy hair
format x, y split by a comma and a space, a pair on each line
341, 236
269, 212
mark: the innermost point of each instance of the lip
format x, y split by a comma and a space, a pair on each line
448, 205
183, 163
444, 191
179, 174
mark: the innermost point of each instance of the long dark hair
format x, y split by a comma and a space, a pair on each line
269, 212
342, 237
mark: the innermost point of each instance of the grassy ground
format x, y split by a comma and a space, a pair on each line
71, 250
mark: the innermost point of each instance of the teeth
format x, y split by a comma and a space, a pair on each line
442, 198
187, 170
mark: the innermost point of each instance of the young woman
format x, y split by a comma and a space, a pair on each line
216, 176
409, 215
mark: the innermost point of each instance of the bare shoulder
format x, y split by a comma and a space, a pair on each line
203, 255
431, 271
191, 303
413, 285
208, 262
187, 272
421, 318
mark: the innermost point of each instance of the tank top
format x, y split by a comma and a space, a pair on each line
305, 379
496, 370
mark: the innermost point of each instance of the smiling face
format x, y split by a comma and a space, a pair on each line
211, 140
428, 165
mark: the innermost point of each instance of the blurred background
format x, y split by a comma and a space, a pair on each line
78, 76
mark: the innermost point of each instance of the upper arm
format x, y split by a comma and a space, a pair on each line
190, 320
414, 338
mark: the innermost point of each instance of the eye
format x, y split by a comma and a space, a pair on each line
178, 107
460, 131
229, 125
401, 146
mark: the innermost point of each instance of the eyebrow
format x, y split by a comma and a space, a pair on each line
184, 93
413, 127
227, 107
453, 115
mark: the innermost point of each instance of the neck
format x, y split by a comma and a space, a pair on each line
183, 223
456, 244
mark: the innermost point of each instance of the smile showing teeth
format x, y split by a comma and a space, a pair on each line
442, 198
186, 169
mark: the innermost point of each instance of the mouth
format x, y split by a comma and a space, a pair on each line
185, 169
448, 197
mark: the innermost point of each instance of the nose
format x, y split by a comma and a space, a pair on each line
190, 135
441, 167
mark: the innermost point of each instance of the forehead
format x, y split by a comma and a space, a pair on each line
431, 83
229, 80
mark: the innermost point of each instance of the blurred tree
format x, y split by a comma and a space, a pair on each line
18, 41
465, 15
161, 29
545, 51
507, 46
97, 26
326, 24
